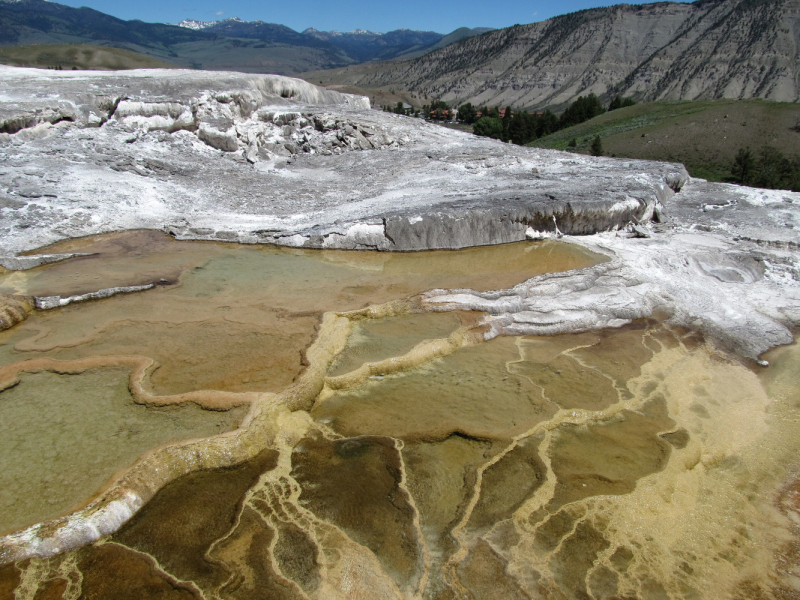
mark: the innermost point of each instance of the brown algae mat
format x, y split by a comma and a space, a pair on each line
680, 486
404, 457
224, 328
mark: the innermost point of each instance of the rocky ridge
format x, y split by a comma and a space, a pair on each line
275, 48
359, 45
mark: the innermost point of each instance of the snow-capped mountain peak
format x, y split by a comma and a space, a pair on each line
196, 25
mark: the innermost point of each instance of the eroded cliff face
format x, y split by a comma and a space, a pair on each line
734, 50
712, 49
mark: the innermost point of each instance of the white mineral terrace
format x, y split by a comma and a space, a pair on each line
268, 159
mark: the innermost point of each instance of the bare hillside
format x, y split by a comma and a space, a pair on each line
662, 51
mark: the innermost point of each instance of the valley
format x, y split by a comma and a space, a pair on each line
37, 33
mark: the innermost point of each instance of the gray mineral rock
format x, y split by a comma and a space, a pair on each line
50, 302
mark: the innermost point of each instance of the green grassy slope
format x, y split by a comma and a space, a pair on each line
703, 135
82, 56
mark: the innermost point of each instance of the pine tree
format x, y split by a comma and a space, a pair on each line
467, 113
506, 122
522, 128
583, 109
620, 102
597, 146
743, 166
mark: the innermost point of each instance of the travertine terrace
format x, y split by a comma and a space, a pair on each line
267, 159
558, 436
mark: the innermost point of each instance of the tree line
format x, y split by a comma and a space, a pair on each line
437, 110
516, 126
399, 109
768, 168
522, 127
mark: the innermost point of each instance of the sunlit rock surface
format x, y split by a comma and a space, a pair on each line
517, 421
269, 159
726, 263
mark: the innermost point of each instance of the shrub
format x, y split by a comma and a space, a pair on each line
620, 102
743, 166
491, 127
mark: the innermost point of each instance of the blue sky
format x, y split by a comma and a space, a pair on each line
375, 15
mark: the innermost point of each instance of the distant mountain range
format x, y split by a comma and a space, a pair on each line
231, 44
360, 45
660, 51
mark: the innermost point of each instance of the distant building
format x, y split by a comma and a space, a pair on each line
442, 115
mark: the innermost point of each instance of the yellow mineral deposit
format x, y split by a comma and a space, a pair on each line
13, 310
386, 452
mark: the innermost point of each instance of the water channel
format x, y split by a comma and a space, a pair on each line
358, 445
